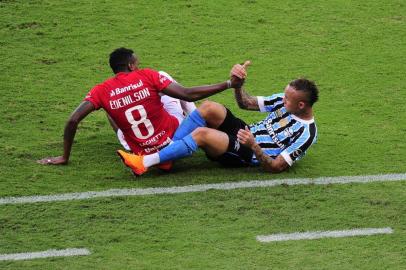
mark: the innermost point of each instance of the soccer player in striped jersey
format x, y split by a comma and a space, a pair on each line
276, 142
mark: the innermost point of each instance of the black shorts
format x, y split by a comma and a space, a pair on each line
237, 155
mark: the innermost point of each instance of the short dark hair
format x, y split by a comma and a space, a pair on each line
307, 86
120, 58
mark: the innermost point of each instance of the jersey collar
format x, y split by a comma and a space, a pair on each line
311, 121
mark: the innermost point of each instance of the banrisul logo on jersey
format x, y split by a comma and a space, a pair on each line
127, 88
269, 128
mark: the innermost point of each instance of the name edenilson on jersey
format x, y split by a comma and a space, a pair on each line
129, 99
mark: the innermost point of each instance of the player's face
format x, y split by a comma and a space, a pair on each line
294, 101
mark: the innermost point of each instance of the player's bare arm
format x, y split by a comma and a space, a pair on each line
277, 165
270, 165
78, 114
199, 92
246, 101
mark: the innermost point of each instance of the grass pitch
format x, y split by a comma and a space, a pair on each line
53, 52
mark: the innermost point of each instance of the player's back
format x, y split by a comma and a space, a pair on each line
132, 99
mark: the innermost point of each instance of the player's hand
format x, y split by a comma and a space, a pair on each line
240, 71
53, 161
245, 137
236, 82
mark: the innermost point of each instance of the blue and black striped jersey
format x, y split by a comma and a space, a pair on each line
282, 133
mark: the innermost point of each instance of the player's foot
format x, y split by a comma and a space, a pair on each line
167, 166
135, 162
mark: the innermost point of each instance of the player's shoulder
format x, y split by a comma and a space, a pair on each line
277, 96
99, 87
308, 126
157, 77
272, 99
147, 71
106, 84
145, 74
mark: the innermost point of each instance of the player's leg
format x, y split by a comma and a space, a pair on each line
179, 109
237, 155
209, 113
214, 142
213, 113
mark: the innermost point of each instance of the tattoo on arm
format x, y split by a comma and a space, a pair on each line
245, 101
264, 159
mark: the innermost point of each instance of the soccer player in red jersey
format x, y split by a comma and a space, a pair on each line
132, 99
175, 107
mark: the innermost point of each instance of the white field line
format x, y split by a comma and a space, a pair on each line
318, 235
202, 188
45, 254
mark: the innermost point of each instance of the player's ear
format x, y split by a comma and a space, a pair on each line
131, 66
302, 105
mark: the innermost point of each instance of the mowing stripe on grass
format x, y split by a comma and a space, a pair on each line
45, 254
318, 235
202, 188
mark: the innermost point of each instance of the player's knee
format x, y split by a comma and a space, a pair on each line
208, 108
200, 135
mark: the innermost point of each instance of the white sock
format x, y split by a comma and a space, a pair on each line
151, 160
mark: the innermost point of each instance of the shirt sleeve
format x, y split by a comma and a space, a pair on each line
160, 80
163, 73
93, 97
266, 104
299, 146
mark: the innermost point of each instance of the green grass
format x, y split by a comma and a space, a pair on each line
216, 229
53, 52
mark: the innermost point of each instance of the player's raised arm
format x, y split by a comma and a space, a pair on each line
78, 114
199, 92
244, 100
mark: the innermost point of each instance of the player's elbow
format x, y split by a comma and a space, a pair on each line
72, 122
279, 169
277, 165
242, 105
274, 168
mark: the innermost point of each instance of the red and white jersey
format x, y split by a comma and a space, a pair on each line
133, 101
